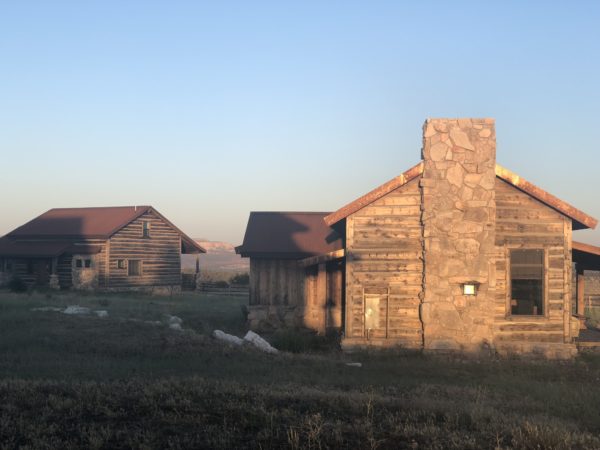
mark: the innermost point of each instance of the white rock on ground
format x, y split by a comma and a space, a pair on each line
259, 342
231, 339
101, 313
353, 364
175, 326
48, 308
76, 310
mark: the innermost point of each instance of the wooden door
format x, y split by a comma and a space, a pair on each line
42, 270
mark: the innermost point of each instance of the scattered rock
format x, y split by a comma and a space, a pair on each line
354, 364
220, 335
47, 308
77, 310
101, 313
259, 342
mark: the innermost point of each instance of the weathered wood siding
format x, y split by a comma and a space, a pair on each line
384, 255
276, 282
160, 254
310, 297
523, 222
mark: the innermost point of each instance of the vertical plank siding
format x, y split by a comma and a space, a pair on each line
384, 251
160, 254
523, 222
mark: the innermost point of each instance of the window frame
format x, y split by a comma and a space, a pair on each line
527, 317
140, 268
145, 229
122, 264
87, 263
79, 263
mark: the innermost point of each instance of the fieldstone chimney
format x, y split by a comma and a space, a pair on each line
458, 216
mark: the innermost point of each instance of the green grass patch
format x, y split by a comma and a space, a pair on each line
122, 382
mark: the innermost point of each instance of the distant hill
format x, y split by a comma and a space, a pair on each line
219, 256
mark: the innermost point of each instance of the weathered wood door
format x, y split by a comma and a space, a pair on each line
42, 269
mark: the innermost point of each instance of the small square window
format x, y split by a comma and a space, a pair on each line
120, 264
88, 263
134, 267
145, 229
79, 263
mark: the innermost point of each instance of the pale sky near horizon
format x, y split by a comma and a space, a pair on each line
208, 110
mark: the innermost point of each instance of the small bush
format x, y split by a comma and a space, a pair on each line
16, 284
241, 279
222, 284
303, 341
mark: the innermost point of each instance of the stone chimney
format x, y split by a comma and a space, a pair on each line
458, 217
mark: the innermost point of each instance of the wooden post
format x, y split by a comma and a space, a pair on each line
580, 292
321, 300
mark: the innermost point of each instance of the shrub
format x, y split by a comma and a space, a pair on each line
240, 278
222, 284
16, 284
303, 341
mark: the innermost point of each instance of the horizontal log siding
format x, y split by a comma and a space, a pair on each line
523, 221
384, 251
276, 282
160, 254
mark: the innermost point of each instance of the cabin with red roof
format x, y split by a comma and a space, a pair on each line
455, 254
106, 248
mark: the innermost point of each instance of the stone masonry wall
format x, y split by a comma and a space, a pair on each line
458, 216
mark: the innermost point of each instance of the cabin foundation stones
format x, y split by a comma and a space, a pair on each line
458, 216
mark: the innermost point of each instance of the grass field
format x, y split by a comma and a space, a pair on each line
118, 382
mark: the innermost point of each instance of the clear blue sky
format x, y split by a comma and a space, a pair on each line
210, 110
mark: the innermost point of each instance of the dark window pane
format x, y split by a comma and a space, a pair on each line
134, 267
145, 229
527, 282
120, 264
88, 263
78, 263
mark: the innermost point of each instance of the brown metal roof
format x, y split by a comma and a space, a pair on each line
79, 222
288, 235
579, 218
90, 223
15, 249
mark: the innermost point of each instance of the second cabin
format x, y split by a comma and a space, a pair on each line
456, 253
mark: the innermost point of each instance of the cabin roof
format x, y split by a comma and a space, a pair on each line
579, 218
69, 224
288, 235
43, 249
586, 256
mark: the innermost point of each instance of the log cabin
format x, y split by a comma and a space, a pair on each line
107, 248
455, 254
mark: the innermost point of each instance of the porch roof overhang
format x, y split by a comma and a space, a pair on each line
17, 249
586, 256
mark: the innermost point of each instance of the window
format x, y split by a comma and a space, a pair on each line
29, 266
79, 263
134, 267
527, 282
120, 264
8, 266
2, 264
145, 229
88, 263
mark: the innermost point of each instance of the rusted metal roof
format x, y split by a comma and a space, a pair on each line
288, 235
375, 194
579, 218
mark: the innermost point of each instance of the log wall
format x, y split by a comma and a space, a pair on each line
283, 293
383, 257
160, 255
523, 222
